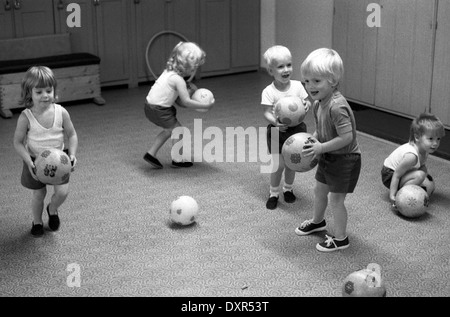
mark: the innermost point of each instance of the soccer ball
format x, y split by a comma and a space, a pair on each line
292, 152
53, 167
290, 111
412, 201
364, 283
203, 95
184, 210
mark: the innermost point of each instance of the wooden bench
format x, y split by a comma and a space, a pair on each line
78, 74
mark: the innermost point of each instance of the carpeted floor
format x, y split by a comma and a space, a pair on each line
116, 240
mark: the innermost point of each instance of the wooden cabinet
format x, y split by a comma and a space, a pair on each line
402, 66
359, 59
104, 32
20, 18
441, 72
230, 35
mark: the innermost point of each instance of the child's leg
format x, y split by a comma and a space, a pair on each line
275, 176
58, 198
337, 205
37, 204
413, 178
161, 138
321, 191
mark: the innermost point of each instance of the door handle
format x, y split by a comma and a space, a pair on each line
7, 6
17, 4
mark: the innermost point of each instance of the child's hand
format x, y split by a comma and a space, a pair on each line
73, 162
314, 148
191, 88
307, 104
32, 169
281, 126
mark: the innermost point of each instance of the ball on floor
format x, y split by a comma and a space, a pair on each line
412, 201
184, 210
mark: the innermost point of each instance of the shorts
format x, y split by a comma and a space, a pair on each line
164, 117
339, 171
29, 182
386, 176
283, 136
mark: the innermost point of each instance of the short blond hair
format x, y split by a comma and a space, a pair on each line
185, 57
326, 63
276, 53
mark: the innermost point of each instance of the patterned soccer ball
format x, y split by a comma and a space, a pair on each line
203, 95
412, 201
184, 210
290, 111
53, 167
292, 152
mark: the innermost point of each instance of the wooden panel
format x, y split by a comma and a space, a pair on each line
245, 21
215, 34
6, 22
441, 70
35, 17
113, 44
404, 56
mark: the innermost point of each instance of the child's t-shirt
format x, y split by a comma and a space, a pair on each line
271, 94
161, 93
40, 138
334, 118
394, 159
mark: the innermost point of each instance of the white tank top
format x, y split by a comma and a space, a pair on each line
40, 138
161, 94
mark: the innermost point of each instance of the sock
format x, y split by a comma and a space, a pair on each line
274, 191
287, 187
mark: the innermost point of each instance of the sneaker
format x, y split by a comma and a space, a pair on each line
308, 227
181, 164
153, 161
37, 230
272, 202
332, 244
53, 221
289, 197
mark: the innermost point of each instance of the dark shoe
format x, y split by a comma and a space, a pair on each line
53, 221
332, 244
152, 160
308, 227
289, 197
181, 164
272, 202
37, 230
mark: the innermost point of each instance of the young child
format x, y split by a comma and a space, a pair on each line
170, 89
43, 125
336, 146
279, 65
406, 164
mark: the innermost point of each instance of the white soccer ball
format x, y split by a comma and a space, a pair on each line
184, 210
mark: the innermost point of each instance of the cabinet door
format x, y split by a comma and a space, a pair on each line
26, 18
404, 56
82, 38
33, 17
356, 43
215, 24
6, 21
441, 70
112, 40
245, 36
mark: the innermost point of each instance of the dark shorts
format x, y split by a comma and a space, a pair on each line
164, 117
386, 176
283, 136
29, 182
339, 171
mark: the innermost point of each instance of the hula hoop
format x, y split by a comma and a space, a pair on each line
181, 36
